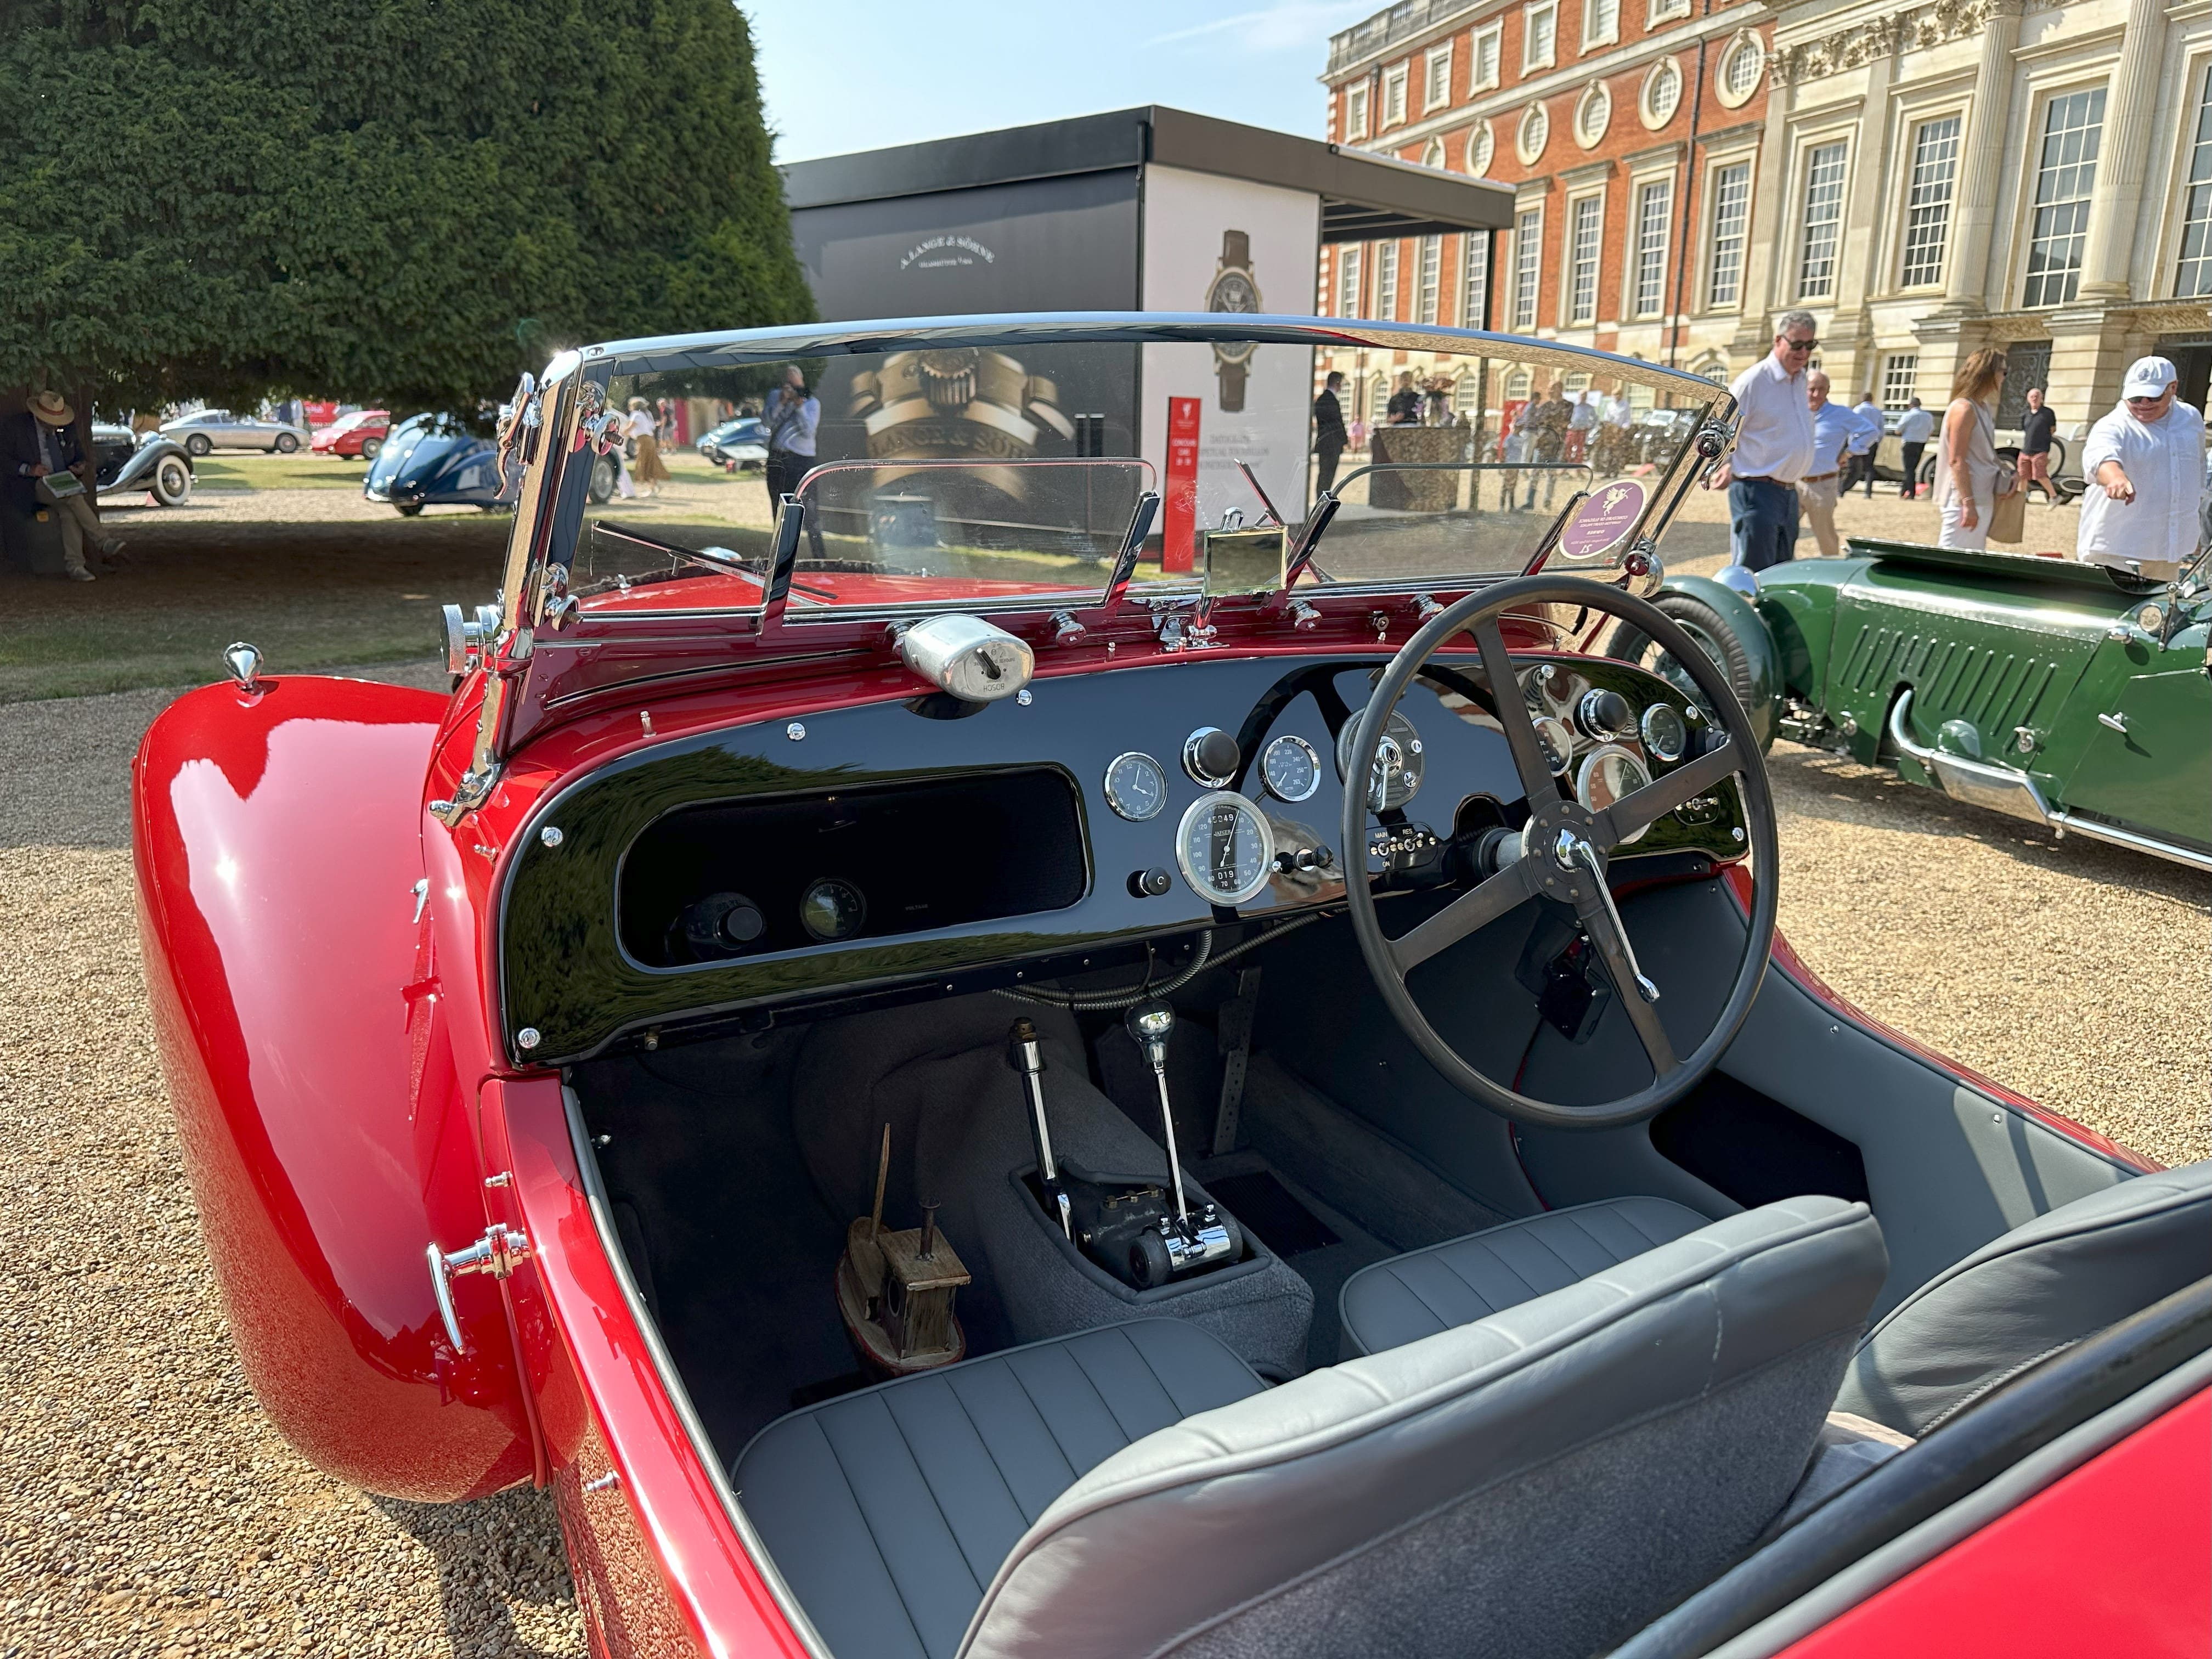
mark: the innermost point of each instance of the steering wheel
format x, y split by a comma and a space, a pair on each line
1559, 856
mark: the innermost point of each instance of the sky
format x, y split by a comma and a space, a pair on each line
847, 74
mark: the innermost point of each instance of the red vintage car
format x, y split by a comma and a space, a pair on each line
355, 437
1076, 1049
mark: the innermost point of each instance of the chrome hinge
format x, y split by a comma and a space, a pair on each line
1304, 618
2117, 722
495, 1254
1066, 630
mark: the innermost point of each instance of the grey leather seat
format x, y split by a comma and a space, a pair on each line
1542, 1481
1423, 1292
2029, 1293
2018, 1299
888, 1511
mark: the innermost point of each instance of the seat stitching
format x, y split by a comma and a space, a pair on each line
1435, 1312
1173, 1404
944, 1519
1500, 1262
1576, 1277
1604, 1248
1097, 1393
1051, 1433
997, 1467
861, 1514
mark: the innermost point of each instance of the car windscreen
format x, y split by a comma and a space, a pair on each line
976, 474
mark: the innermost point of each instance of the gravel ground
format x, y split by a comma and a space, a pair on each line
2073, 972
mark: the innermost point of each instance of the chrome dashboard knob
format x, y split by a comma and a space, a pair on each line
1605, 715
1211, 755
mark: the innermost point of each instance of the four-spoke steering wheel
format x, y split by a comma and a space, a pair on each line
1560, 854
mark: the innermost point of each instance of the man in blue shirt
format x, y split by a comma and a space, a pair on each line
1836, 430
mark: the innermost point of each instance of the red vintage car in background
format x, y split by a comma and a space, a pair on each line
355, 437
1043, 1058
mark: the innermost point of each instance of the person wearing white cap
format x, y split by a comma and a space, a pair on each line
2145, 464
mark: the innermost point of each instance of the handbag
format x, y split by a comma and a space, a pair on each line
2008, 516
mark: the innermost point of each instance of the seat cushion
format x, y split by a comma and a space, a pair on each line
888, 1511
1463, 1280
2031, 1292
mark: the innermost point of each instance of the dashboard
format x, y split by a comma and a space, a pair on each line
888, 844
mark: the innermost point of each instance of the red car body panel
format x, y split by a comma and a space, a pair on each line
2114, 1558
345, 442
313, 1072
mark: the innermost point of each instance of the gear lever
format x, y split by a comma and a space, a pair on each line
1185, 1241
1025, 1054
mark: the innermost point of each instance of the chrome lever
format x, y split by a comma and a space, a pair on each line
1573, 849
495, 1254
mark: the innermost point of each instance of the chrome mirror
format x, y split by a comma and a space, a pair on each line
1241, 561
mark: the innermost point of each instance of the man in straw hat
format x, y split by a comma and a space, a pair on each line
44, 467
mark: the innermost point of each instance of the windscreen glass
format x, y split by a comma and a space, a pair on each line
1013, 473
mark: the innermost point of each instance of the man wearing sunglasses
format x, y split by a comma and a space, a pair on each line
2145, 463
1773, 446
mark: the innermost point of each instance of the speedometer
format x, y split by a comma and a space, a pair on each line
1610, 774
1225, 847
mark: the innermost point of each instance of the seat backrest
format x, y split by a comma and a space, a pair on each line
2029, 1293
1543, 1481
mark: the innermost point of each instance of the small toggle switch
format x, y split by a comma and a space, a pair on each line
1150, 883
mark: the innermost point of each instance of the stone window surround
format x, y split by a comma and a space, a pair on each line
1575, 197
1429, 66
1398, 75
1495, 30
1527, 34
1718, 79
1596, 90
1836, 124
1910, 116
1741, 151
1594, 38
1645, 113
2078, 64
2167, 256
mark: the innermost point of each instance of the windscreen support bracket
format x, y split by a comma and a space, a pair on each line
790, 518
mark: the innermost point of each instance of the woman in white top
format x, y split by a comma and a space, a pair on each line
649, 470
1966, 452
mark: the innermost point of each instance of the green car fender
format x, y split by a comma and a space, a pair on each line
1736, 634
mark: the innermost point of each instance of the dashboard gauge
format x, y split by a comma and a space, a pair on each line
832, 909
1226, 847
1556, 739
1136, 785
1290, 769
1609, 775
1395, 778
1665, 736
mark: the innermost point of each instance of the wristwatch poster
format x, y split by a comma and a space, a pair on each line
1233, 289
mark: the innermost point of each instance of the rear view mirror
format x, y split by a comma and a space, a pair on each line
1244, 560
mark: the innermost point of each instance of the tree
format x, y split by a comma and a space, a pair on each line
405, 201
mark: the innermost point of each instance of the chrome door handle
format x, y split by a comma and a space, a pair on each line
495, 1254
2117, 722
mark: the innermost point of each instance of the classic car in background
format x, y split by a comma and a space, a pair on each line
357, 435
129, 462
2069, 695
2065, 452
209, 429
993, 1069
436, 460
738, 444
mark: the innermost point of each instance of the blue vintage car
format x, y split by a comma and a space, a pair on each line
437, 460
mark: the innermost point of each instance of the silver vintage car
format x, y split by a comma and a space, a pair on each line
218, 428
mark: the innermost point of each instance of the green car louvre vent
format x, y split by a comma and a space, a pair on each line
1996, 690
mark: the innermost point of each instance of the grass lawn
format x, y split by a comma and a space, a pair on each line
310, 596
228, 471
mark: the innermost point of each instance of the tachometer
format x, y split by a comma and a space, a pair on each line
1395, 778
1290, 769
1665, 736
832, 909
1225, 846
1609, 775
1136, 785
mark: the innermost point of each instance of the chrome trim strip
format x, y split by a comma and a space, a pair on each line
2069, 823
595, 1194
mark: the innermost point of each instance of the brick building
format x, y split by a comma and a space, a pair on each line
1631, 132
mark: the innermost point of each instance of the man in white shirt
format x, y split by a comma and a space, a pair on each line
1914, 428
2145, 464
1773, 446
1862, 450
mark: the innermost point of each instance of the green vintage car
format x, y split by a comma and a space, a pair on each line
2069, 695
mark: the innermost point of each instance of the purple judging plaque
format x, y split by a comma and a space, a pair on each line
1604, 521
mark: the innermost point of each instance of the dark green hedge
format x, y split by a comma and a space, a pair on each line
403, 201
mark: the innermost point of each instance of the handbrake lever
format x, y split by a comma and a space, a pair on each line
1026, 1055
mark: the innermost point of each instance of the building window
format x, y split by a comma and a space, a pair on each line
1378, 399
1928, 201
1540, 29
1662, 93
1482, 145
1900, 379
1475, 291
1824, 214
1528, 266
1394, 96
1433, 156
1355, 111
1601, 22
1518, 386
1386, 281
1534, 132
2194, 276
1654, 212
1462, 396
1713, 368
1430, 288
1585, 231
1664, 10
1593, 115
1484, 70
1436, 79
1740, 67
2072, 130
1731, 191
1347, 280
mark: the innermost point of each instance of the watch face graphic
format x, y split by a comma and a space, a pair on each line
1234, 290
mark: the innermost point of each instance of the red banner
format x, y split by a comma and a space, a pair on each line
1177, 553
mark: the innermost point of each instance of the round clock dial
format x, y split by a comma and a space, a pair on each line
1136, 787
